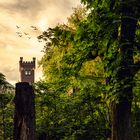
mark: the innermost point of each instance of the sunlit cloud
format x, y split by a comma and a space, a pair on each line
18, 38
42, 24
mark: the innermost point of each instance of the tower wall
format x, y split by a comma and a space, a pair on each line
27, 70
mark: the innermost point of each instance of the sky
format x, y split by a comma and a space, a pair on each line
21, 21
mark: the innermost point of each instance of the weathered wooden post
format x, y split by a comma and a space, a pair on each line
24, 115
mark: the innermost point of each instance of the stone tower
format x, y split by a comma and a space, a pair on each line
27, 70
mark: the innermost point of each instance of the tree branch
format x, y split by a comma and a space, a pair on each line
92, 56
137, 45
135, 68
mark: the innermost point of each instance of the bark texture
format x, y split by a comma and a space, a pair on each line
24, 115
121, 115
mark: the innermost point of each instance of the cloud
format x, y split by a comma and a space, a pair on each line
31, 8
10, 71
27, 13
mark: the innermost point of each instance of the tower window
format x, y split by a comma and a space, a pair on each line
27, 72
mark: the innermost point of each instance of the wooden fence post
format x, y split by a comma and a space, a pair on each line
24, 115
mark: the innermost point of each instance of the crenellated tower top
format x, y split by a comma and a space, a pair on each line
27, 70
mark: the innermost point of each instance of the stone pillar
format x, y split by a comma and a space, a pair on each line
24, 115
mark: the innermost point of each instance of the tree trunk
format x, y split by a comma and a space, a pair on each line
24, 116
121, 114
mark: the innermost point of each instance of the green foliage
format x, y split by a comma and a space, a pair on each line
85, 71
6, 117
71, 116
6, 109
70, 102
2, 78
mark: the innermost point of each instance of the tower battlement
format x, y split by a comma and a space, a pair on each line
26, 69
27, 63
